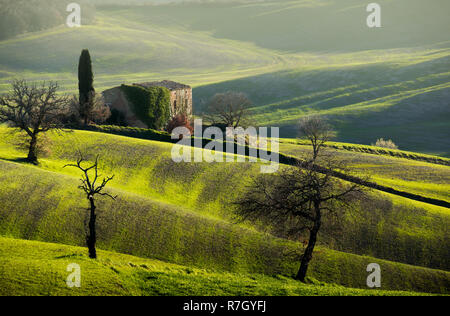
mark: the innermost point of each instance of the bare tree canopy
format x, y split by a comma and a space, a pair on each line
33, 109
299, 198
91, 188
296, 200
230, 109
317, 131
98, 112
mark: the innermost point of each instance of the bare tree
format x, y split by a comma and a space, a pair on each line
317, 131
230, 109
91, 189
299, 198
97, 112
33, 109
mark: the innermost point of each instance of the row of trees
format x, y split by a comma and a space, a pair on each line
35, 109
297, 201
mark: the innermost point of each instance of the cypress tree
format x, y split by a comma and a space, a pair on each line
85, 85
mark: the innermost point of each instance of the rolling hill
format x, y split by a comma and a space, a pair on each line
291, 57
117, 274
172, 230
180, 213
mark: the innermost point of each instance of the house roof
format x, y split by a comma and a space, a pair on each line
171, 85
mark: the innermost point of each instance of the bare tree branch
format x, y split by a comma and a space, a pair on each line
33, 109
90, 188
317, 131
230, 109
299, 197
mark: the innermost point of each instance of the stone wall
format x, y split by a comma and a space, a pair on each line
181, 101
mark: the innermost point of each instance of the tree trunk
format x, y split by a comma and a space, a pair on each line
92, 237
85, 119
32, 151
315, 152
307, 256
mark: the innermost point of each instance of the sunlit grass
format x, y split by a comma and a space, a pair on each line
118, 274
403, 174
145, 168
182, 213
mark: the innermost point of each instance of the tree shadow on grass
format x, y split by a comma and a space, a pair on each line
74, 255
21, 160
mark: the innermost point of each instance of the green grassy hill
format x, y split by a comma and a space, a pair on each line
118, 274
291, 57
145, 168
407, 174
181, 213
142, 227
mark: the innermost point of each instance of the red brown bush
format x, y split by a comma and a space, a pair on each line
180, 120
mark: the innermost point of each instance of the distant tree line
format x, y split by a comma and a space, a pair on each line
21, 16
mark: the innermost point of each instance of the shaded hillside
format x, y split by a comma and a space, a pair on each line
311, 25
404, 99
22, 16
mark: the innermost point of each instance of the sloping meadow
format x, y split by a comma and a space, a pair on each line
383, 225
119, 274
46, 206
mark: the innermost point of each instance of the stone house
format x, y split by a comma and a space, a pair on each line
180, 100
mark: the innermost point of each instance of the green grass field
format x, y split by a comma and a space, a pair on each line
283, 54
180, 213
118, 274
171, 230
423, 178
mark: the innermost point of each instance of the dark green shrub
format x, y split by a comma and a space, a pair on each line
151, 105
135, 132
117, 118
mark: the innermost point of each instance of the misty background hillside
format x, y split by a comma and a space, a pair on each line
291, 57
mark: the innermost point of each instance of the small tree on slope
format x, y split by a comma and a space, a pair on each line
33, 109
229, 109
91, 189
